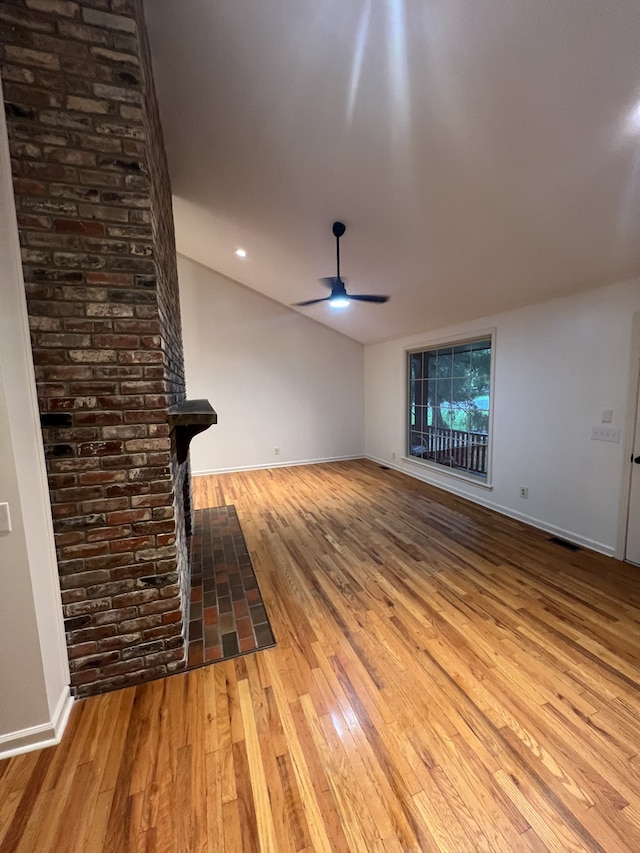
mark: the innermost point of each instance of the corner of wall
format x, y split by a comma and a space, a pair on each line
34, 678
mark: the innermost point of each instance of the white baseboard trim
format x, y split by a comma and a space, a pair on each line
457, 488
286, 464
39, 737
568, 535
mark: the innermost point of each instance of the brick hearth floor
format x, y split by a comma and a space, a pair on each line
227, 615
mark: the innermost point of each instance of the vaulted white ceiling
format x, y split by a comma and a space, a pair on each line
484, 154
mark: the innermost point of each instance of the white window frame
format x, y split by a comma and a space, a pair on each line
440, 343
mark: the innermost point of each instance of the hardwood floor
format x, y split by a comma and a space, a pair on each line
445, 679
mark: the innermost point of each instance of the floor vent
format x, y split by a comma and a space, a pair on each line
384, 467
563, 542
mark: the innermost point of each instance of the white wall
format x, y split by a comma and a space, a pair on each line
558, 364
275, 378
34, 676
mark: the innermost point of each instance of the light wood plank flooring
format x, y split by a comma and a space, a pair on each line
445, 679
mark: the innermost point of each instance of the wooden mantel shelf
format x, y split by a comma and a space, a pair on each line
188, 418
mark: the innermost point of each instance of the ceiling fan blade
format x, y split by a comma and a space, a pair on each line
310, 302
367, 298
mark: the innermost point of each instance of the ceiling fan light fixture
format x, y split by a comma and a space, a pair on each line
338, 301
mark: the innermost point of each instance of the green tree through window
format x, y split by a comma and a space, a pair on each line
449, 405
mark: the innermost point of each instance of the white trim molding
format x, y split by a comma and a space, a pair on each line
38, 737
276, 465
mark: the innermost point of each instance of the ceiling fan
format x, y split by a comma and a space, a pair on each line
339, 297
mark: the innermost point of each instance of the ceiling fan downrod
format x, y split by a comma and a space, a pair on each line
338, 230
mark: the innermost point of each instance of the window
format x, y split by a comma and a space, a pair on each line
448, 406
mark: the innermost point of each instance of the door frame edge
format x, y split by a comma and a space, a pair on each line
633, 395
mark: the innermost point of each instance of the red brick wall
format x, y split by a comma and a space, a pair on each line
94, 215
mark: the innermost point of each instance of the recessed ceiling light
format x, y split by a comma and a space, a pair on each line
241, 253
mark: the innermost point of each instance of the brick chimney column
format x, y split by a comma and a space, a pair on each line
93, 204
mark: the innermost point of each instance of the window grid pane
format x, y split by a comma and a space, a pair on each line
449, 403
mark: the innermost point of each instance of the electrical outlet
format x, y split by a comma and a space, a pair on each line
276, 451
524, 491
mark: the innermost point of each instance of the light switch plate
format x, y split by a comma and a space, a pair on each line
5, 518
605, 433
